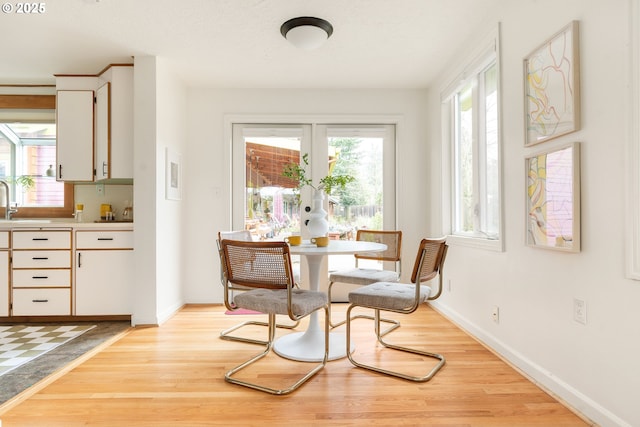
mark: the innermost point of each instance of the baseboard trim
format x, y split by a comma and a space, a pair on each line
584, 407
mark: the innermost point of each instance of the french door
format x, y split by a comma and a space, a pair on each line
266, 203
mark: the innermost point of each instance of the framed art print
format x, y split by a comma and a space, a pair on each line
552, 87
553, 198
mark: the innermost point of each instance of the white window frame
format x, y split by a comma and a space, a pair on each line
482, 56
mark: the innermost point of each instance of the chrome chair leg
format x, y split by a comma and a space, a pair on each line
377, 320
229, 375
226, 334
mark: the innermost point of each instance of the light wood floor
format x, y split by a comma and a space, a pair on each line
173, 376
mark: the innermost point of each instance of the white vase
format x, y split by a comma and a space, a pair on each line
318, 225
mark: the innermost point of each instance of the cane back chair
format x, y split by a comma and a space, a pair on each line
366, 276
271, 290
243, 235
405, 299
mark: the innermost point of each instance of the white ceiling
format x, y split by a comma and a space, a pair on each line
237, 43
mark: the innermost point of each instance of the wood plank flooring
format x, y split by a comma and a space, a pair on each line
174, 376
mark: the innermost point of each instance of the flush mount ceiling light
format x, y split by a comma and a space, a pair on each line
306, 32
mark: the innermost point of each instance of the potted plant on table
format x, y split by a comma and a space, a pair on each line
317, 223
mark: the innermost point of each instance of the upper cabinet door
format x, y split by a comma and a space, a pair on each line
121, 153
103, 131
75, 133
114, 132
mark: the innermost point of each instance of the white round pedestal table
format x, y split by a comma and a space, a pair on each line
308, 346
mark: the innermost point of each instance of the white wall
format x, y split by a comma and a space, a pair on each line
208, 163
594, 367
159, 122
171, 110
144, 175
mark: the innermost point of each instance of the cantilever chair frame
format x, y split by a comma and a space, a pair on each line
244, 235
271, 274
423, 271
378, 256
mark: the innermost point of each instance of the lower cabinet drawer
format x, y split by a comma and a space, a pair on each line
41, 259
41, 278
41, 302
104, 239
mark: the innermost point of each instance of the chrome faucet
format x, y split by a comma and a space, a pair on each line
8, 210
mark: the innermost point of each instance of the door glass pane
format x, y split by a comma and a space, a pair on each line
271, 206
360, 204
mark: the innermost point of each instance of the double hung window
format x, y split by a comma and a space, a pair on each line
470, 109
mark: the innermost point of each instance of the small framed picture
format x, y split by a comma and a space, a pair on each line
173, 175
553, 198
552, 87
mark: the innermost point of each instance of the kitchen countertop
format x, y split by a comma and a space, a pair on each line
63, 223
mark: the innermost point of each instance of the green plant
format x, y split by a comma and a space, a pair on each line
298, 173
25, 181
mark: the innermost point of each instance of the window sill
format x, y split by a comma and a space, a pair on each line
476, 242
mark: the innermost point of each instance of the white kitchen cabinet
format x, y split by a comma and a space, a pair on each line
103, 130
104, 267
41, 239
4, 274
41, 272
75, 135
95, 125
114, 123
41, 302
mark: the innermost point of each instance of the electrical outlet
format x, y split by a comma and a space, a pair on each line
580, 311
495, 314
100, 189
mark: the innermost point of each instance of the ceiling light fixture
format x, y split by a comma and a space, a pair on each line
306, 32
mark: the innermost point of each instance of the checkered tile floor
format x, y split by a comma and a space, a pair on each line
21, 343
